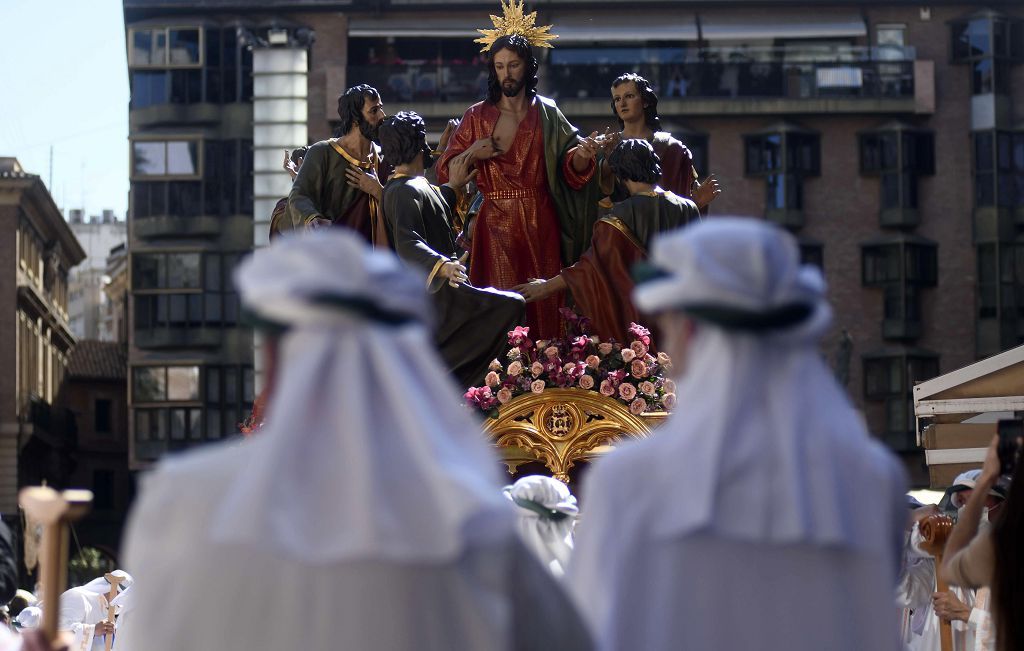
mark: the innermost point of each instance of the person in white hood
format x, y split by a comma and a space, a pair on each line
761, 514
365, 514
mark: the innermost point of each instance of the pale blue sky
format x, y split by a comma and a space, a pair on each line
64, 82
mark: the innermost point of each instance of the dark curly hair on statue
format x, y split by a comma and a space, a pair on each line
520, 46
350, 106
402, 137
634, 160
647, 96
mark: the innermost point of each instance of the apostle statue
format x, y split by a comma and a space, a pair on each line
601, 281
337, 184
534, 171
471, 322
635, 105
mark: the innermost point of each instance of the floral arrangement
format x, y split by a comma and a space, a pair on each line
631, 373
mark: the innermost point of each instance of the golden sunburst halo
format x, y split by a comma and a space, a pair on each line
514, 20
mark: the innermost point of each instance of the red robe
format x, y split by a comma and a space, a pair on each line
516, 236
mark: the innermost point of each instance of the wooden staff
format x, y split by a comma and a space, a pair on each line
935, 529
114, 582
53, 511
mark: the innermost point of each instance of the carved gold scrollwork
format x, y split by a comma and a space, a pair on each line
561, 426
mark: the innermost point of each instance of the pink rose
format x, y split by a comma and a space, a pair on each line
607, 389
647, 388
587, 382
605, 348
628, 355
491, 379
669, 386
569, 368
627, 391
515, 368
669, 401
551, 352
536, 368
638, 406
639, 348
537, 386
519, 335
593, 361
514, 353
665, 360
638, 369
504, 395
495, 365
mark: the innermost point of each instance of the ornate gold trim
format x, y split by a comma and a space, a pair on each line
562, 426
620, 226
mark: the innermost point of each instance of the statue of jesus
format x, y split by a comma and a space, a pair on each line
537, 178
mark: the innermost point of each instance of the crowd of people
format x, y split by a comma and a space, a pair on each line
368, 512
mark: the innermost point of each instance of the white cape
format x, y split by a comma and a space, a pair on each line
495, 595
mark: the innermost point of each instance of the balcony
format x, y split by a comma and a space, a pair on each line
768, 81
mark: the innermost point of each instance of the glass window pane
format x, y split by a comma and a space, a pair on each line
178, 424
142, 425
159, 424
161, 310
212, 308
183, 383
149, 158
183, 270
211, 269
195, 309
177, 311
184, 46
213, 384
159, 56
182, 157
142, 45
213, 424
248, 384
148, 271
184, 198
150, 384
230, 385
195, 424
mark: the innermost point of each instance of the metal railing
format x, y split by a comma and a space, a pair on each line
708, 79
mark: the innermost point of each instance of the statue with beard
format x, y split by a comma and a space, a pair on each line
472, 322
536, 174
338, 183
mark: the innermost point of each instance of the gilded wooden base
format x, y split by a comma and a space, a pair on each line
561, 426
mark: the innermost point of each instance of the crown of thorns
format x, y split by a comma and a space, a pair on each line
514, 20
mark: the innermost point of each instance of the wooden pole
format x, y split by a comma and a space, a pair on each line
54, 511
935, 529
114, 582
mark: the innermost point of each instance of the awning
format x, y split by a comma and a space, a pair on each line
781, 24
416, 26
624, 27
579, 28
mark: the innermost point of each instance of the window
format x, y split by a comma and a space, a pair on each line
999, 168
784, 156
165, 384
890, 377
899, 259
988, 41
165, 47
213, 303
166, 271
103, 490
224, 189
898, 154
813, 253
102, 416
179, 75
229, 398
178, 158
